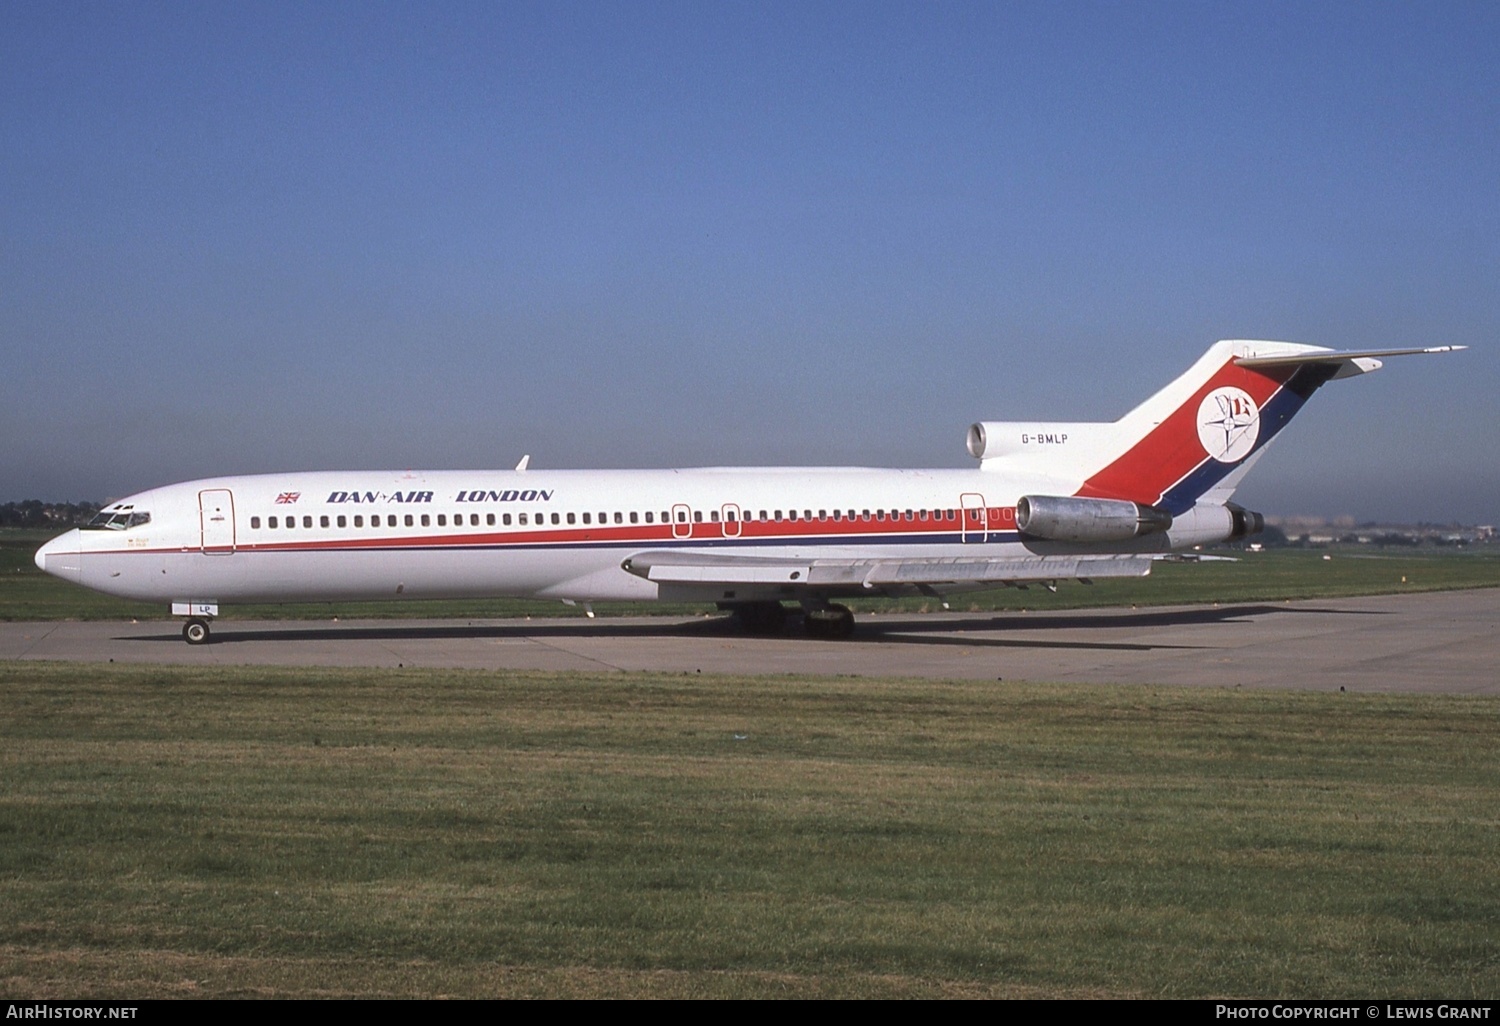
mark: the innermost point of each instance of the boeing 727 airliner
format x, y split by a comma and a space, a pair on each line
1048, 501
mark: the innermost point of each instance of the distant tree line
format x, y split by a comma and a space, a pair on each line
36, 513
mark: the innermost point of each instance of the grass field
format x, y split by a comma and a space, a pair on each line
28, 594
301, 832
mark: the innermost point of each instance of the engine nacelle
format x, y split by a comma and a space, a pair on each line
1205, 525
1043, 440
1065, 518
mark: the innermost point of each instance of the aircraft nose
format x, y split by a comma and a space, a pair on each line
59, 557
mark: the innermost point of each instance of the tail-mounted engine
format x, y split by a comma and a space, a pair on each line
1059, 518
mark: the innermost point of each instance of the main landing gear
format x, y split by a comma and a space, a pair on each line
195, 631
763, 619
830, 621
768, 619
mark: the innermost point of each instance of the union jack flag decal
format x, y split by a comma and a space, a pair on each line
287, 497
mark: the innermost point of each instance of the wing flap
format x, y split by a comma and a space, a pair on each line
981, 571
716, 569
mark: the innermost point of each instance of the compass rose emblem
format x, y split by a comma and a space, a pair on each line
1228, 424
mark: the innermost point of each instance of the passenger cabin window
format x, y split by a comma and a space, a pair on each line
635, 517
322, 521
255, 523
359, 520
442, 520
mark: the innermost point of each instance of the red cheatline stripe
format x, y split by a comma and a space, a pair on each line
856, 531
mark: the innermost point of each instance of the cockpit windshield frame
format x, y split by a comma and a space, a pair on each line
120, 519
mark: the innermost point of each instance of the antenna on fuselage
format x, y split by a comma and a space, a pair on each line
525, 460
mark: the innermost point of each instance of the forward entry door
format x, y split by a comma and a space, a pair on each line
216, 521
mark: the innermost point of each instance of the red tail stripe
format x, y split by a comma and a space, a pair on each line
1171, 450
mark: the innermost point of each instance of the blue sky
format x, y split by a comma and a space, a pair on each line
238, 238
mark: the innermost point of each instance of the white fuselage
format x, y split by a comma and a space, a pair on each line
561, 534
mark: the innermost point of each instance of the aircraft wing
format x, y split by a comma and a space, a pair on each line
852, 575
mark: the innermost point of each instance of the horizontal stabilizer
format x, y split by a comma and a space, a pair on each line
1337, 356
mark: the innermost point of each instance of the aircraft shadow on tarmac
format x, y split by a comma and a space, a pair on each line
990, 629
977, 630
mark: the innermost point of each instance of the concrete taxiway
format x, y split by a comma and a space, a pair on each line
1437, 642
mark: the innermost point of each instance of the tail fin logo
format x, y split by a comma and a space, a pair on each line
1228, 424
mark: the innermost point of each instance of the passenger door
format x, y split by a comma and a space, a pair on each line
216, 521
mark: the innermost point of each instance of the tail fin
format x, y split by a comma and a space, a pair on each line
1195, 438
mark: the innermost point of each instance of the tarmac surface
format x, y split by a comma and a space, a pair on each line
1437, 642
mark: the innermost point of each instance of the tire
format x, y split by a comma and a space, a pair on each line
843, 624
195, 631
833, 621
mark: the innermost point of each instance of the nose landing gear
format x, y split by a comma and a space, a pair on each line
195, 631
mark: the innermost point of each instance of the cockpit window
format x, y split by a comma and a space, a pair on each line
118, 520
